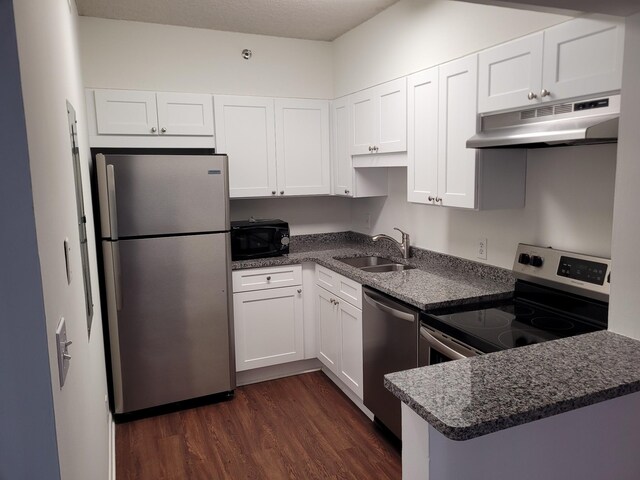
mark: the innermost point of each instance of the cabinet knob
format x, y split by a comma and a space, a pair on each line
545, 93
273, 192
269, 278
154, 129
163, 130
532, 96
299, 290
281, 192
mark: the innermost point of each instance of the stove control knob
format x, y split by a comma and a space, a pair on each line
536, 261
524, 259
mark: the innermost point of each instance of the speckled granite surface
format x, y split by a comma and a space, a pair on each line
481, 395
438, 280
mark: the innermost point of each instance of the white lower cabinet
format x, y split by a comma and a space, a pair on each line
268, 323
339, 335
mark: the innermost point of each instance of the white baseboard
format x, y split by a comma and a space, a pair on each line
274, 372
348, 392
112, 448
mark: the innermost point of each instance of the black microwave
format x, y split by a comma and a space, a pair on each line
259, 239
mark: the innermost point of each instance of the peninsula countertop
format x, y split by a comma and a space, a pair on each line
476, 396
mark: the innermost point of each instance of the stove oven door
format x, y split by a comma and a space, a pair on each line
436, 347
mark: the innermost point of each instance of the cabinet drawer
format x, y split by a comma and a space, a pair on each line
264, 278
345, 288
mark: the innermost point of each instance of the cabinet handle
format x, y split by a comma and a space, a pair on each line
299, 290
273, 192
281, 192
438, 199
163, 130
545, 93
370, 148
375, 149
430, 198
532, 96
154, 129
269, 278
332, 300
347, 192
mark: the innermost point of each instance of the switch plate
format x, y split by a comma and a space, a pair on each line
482, 248
62, 344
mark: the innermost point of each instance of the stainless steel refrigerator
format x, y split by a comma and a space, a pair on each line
166, 251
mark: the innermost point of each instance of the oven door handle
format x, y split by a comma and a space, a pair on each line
441, 347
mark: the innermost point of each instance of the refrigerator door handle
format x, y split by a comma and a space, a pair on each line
111, 192
117, 287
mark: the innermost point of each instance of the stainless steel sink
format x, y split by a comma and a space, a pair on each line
394, 267
363, 262
375, 264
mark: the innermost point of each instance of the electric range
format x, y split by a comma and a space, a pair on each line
557, 294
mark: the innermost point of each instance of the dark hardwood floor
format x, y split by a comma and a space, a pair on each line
297, 427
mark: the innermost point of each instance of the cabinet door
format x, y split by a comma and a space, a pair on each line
391, 117
245, 132
268, 327
303, 147
328, 329
457, 122
422, 133
362, 111
126, 112
342, 165
509, 72
185, 114
582, 57
350, 365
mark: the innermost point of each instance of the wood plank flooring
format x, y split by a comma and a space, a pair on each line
300, 427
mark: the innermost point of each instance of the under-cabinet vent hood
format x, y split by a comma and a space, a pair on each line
570, 123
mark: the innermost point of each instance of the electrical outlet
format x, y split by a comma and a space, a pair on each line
482, 248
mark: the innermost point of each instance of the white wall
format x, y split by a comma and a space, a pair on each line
624, 312
50, 70
144, 56
27, 429
569, 205
415, 34
304, 214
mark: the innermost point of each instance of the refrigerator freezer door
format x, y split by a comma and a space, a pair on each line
169, 308
144, 195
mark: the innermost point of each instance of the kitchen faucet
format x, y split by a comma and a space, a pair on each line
403, 245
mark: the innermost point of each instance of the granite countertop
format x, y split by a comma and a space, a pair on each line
438, 280
476, 396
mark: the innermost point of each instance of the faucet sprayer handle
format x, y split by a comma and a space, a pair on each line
403, 233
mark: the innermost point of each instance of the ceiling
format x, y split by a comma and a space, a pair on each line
307, 19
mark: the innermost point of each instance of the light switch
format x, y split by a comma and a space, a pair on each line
62, 344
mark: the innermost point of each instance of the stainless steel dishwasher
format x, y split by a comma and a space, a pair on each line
390, 343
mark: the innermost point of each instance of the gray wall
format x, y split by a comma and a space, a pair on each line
27, 429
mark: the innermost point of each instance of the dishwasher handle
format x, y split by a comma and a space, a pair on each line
381, 303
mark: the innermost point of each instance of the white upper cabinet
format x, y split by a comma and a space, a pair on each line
346, 180
245, 131
574, 59
510, 75
127, 112
303, 146
184, 114
124, 112
379, 119
582, 57
441, 170
422, 136
458, 81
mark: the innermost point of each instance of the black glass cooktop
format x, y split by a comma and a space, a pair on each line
534, 315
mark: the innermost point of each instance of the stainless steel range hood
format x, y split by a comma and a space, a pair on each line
569, 123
